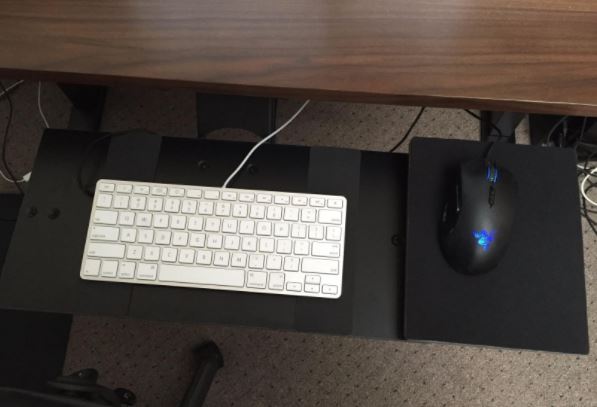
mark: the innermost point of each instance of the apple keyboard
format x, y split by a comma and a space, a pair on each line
216, 238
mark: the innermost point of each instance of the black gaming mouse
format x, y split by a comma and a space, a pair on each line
477, 219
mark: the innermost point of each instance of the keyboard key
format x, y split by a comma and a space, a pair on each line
180, 239
256, 279
264, 228
264, 198
155, 204
147, 271
104, 233
333, 233
316, 201
145, 236
273, 262
232, 243
311, 288
281, 229
229, 196
249, 244
126, 218
141, 189
172, 205
108, 250
311, 279
91, 267
274, 213
195, 223
214, 241
186, 256
308, 215
178, 222
105, 187
201, 275
284, 246
222, 259
276, 281
291, 214
151, 253
143, 219
194, 193
239, 260
326, 249
134, 252
256, 261
246, 197
223, 209
320, 266
104, 201
162, 237
161, 221
299, 231
291, 263
328, 216
124, 188
212, 225
257, 212
329, 289
109, 268
281, 199
160, 191
206, 208
126, 269
316, 232
229, 225
138, 203
105, 217
301, 247
210, 194
169, 254
334, 203
128, 235
299, 200
189, 207
203, 257
121, 202
197, 240
240, 210
266, 245
175, 191
247, 227
294, 286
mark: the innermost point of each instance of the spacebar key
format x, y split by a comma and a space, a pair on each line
201, 275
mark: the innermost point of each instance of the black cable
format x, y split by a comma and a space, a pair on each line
412, 126
5, 140
481, 120
553, 129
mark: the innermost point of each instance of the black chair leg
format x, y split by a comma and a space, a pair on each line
209, 361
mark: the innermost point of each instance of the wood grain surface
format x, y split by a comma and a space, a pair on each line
518, 55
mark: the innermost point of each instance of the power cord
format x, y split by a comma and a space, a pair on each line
410, 129
41, 112
11, 87
264, 140
11, 176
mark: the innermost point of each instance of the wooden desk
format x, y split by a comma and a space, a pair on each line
522, 55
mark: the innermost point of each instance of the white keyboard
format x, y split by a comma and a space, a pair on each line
215, 238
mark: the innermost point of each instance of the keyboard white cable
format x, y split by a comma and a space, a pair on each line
216, 238
264, 140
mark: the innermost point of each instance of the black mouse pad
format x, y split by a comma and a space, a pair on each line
535, 298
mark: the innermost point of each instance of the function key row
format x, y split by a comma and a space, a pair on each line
225, 195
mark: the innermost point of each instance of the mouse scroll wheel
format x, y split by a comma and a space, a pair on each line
492, 173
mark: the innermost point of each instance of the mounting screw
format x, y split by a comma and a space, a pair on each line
32, 212
203, 164
253, 169
54, 213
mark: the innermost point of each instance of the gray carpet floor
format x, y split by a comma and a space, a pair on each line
273, 368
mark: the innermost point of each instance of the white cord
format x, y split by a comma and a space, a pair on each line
11, 87
582, 186
264, 140
41, 112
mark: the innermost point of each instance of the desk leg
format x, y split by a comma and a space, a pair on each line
88, 106
255, 114
505, 121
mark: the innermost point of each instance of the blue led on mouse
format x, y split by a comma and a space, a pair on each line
483, 238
